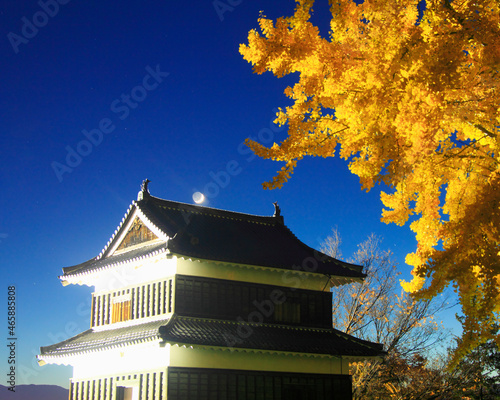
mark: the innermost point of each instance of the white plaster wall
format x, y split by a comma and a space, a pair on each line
160, 267
146, 357
134, 274
293, 279
142, 357
255, 361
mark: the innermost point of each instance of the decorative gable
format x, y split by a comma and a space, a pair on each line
137, 233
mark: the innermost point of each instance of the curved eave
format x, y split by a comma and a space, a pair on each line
319, 256
69, 358
86, 277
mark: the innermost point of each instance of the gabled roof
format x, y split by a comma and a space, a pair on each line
223, 334
199, 232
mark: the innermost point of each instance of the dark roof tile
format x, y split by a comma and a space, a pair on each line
220, 235
92, 340
220, 333
232, 334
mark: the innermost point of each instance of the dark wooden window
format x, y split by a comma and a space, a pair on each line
220, 384
287, 312
217, 298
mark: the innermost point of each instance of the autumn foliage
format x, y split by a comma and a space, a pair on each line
377, 310
410, 101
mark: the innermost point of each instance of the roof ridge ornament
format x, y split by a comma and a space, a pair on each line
144, 193
277, 212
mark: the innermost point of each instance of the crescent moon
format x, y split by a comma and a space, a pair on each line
198, 197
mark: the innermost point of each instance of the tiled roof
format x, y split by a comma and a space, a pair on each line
131, 255
226, 236
242, 335
92, 340
220, 333
219, 235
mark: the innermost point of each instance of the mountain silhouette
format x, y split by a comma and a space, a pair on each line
38, 392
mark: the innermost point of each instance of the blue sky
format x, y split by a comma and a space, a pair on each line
166, 83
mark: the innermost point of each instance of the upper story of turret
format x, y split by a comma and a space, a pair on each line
167, 257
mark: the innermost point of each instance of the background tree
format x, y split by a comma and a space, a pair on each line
412, 102
478, 373
378, 310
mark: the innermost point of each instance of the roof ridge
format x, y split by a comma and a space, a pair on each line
210, 211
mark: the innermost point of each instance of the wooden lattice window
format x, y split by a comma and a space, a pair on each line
287, 313
217, 298
121, 309
147, 300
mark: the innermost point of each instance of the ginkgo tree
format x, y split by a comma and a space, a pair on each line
408, 94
